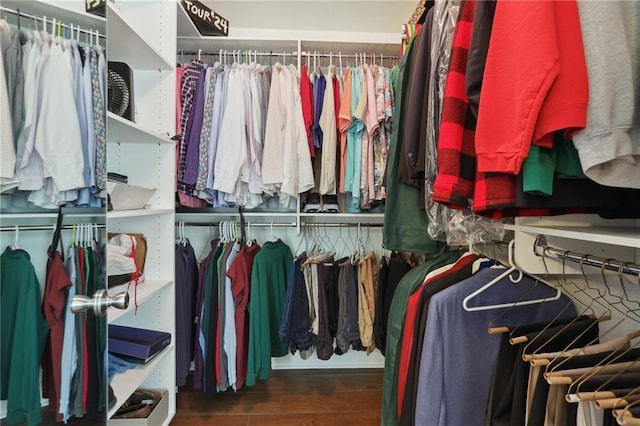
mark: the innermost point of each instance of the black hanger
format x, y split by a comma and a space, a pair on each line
57, 235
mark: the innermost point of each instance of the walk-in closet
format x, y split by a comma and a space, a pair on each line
320, 212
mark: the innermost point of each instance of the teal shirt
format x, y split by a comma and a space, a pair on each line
357, 127
543, 165
23, 331
268, 289
409, 284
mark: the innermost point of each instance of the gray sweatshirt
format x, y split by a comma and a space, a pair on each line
609, 147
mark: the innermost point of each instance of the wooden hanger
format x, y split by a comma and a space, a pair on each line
574, 386
528, 357
623, 415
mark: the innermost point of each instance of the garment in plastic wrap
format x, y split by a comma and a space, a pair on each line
465, 228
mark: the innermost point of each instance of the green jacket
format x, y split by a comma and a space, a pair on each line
405, 221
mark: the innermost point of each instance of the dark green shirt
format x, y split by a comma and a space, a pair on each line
268, 289
23, 331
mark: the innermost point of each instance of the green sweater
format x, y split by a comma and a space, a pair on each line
266, 303
23, 331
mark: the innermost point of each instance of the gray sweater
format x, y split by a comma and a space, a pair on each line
458, 353
609, 147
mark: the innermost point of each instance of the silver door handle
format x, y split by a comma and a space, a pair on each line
99, 302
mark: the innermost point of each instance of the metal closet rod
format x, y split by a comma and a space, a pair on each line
20, 14
540, 248
288, 224
257, 224
305, 54
42, 228
236, 51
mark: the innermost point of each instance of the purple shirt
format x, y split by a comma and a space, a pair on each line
188, 90
192, 135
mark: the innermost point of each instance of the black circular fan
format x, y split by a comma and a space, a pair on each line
118, 94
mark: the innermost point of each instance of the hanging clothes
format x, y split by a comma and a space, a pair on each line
185, 286
442, 355
240, 275
24, 330
409, 283
405, 226
53, 306
268, 287
69, 345
42, 73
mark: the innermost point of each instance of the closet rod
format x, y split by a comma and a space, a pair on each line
540, 248
336, 55
290, 224
242, 52
256, 224
304, 54
40, 18
41, 227
340, 225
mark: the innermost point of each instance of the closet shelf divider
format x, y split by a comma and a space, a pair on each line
126, 45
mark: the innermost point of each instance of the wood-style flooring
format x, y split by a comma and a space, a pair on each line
289, 397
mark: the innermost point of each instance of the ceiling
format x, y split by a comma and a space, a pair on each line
379, 16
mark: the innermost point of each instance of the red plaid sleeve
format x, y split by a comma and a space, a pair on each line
456, 176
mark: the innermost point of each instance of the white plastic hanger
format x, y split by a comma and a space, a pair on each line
15, 245
273, 237
513, 268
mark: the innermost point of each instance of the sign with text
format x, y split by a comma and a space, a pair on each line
96, 7
208, 22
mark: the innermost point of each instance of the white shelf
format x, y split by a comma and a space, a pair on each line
122, 130
124, 384
66, 10
146, 290
124, 214
126, 45
621, 236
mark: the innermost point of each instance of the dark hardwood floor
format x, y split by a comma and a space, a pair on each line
289, 397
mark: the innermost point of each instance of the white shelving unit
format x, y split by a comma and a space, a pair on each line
137, 52
123, 214
145, 290
294, 43
124, 384
122, 130
142, 34
587, 234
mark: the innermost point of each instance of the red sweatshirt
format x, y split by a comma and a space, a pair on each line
535, 81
